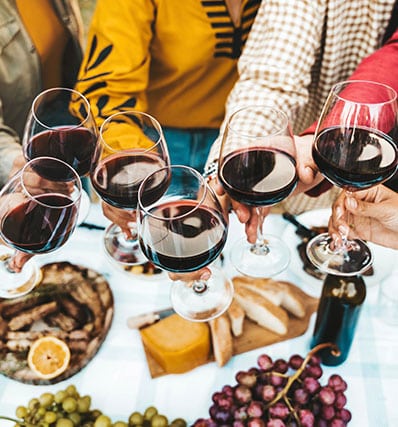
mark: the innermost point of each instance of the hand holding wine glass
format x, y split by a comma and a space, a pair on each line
182, 229
133, 146
38, 212
355, 148
257, 167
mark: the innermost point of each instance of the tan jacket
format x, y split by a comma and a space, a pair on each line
20, 74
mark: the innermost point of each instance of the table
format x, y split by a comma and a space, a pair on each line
118, 378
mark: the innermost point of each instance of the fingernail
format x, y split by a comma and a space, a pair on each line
339, 211
205, 275
352, 203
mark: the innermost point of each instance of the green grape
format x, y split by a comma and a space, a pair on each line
69, 404
60, 396
96, 413
179, 422
41, 411
64, 422
136, 419
33, 404
71, 391
76, 418
150, 412
159, 421
120, 424
46, 400
50, 417
103, 421
43, 424
83, 404
21, 412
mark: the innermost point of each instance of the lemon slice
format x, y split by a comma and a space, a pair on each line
48, 357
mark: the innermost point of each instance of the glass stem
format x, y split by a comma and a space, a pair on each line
200, 286
260, 247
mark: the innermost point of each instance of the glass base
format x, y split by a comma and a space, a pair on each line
14, 285
122, 250
256, 260
350, 260
210, 299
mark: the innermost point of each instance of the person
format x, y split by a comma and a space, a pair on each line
40, 47
176, 60
293, 57
373, 216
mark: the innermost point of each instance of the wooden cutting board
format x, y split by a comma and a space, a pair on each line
255, 336
73, 303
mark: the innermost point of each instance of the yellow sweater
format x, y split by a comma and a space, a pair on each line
175, 59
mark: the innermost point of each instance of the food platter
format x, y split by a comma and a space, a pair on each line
383, 264
73, 303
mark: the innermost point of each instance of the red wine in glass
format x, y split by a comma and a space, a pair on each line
40, 225
118, 177
355, 159
75, 146
186, 236
258, 176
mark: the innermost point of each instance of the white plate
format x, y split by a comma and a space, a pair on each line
383, 264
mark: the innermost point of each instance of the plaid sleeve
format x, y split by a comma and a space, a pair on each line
275, 66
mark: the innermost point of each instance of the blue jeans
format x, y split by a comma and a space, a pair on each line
189, 147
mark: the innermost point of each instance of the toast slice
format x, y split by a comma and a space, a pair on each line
221, 338
262, 311
236, 316
267, 288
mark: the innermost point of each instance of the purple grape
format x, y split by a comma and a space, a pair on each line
327, 412
340, 401
242, 394
301, 396
240, 413
295, 361
216, 396
245, 378
268, 393
255, 409
279, 410
337, 383
228, 390
307, 418
336, 422
277, 380
220, 415
314, 360
344, 414
256, 422
265, 362
281, 366
238, 424
275, 422
311, 384
322, 423
314, 371
327, 396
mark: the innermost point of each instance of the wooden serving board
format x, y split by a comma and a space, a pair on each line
73, 303
255, 336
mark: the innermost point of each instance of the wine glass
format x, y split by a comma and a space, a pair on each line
355, 147
257, 167
60, 124
38, 212
133, 146
182, 229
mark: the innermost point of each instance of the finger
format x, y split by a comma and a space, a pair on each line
203, 274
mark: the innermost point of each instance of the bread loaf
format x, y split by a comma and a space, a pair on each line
262, 311
236, 316
291, 301
221, 339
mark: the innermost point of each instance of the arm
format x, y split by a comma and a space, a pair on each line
115, 69
379, 67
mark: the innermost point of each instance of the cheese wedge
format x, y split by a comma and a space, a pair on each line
176, 344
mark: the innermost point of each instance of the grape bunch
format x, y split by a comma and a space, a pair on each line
281, 393
67, 408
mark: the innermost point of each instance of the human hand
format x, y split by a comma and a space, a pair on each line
123, 218
307, 170
373, 216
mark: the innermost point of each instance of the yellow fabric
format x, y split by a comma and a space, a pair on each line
171, 58
48, 36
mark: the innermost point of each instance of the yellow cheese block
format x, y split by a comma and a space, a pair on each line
176, 344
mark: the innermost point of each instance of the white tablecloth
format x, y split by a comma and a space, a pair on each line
118, 378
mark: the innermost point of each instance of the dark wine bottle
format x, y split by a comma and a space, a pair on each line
338, 313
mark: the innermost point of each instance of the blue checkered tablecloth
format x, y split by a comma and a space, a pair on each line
118, 378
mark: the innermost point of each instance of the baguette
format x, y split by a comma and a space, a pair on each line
221, 338
262, 311
291, 302
267, 288
236, 316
